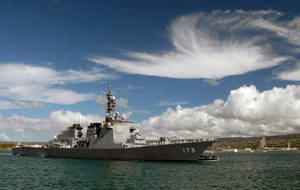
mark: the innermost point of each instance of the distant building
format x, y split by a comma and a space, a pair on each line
262, 143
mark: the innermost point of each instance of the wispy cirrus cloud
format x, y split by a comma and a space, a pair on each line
23, 82
290, 74
213, 45
128, 88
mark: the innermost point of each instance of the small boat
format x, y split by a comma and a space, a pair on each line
209, 158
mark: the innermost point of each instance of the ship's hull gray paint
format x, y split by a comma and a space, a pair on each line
175, 152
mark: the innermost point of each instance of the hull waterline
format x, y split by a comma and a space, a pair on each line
168, 152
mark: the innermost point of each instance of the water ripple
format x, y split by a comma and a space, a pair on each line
280, 170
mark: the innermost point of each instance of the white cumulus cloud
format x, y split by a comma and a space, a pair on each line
216, 44
54, 123
246, 112
4, 137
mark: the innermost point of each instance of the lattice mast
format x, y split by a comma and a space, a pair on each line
111, 104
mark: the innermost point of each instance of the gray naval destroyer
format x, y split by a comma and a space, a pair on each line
116, 138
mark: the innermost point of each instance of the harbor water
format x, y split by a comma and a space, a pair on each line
258, 170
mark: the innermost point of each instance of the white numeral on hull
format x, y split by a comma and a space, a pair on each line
188, 150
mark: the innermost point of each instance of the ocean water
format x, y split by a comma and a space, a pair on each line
271, 170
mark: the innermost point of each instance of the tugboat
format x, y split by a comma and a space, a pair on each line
116, 138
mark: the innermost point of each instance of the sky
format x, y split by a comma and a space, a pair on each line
189, 69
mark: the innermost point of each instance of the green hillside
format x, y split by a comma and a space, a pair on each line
6, 146
253, 142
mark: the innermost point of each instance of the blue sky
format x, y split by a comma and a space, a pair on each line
233, 67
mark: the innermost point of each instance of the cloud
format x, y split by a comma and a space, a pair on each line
212, 82
85, 76
101, 99
121, 102
127, 114
290, 74
11, 105
171, 103
54, 123
6, 105
128, 88
3, 137
19, 104
213, 45
246, 112
42, 84
287, 29
36, 105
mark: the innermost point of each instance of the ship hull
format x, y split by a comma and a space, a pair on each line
168, 152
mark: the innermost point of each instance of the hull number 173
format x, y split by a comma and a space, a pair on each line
188, 150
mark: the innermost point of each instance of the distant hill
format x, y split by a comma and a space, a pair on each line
6, 146
28, 143
9, 145
280, 141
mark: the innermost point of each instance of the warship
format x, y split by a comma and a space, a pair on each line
116, 138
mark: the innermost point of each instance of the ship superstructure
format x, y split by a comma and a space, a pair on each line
68, 138
115, 132
115, 138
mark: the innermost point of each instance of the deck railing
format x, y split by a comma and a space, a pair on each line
180, 141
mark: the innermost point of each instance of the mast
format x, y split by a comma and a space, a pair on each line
111, 104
